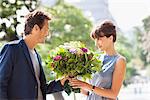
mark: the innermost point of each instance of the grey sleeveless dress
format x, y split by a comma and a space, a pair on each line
104, 78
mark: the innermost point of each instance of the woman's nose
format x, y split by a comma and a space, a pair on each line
95, 43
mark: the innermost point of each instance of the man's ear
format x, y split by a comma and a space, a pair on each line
36, 27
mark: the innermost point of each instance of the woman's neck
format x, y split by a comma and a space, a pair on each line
111, 51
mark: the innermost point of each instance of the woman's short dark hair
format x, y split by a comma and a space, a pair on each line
107, 28
35, 18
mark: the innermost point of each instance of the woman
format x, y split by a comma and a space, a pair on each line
106, 84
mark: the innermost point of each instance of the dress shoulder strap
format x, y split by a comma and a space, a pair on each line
110, 63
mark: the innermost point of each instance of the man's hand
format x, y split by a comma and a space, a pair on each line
63, 80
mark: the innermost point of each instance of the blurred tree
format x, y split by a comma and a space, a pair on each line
130, 72
9, 17
138, 45
143, 40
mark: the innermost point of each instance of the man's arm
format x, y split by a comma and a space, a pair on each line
5, 70
54, 86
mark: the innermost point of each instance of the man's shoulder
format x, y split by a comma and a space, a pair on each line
11, 45
15, 42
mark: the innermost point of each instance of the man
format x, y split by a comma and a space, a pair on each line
21, 72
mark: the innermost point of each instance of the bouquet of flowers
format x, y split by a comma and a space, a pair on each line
73, 59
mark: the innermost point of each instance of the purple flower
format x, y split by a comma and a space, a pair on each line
84, 50
73, 51
57, 58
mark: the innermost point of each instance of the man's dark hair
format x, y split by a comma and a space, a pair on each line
107, 28
35, 18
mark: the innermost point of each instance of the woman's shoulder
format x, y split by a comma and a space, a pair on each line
121, 57
120, 64
121, 60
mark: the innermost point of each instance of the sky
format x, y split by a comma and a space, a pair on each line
129, 13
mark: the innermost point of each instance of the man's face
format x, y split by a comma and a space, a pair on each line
43, 32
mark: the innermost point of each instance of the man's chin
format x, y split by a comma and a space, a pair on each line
42, 41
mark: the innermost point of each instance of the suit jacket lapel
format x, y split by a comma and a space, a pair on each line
27, 55
42, 76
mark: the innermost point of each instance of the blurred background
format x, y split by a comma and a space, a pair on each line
74, 19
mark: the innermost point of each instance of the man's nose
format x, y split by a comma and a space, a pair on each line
95, 43
49, 34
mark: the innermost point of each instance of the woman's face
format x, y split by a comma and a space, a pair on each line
103, 43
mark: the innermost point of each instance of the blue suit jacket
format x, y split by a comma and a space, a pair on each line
17, 77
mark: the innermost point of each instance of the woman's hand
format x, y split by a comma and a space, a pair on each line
80, 84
